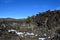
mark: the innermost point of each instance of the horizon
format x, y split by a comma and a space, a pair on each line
23, 8
29, 16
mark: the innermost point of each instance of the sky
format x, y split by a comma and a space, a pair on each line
25, 8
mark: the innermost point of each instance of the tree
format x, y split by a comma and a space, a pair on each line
30, 22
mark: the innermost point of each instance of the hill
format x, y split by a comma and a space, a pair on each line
43, 23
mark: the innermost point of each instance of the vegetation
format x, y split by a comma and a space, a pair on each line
46, 22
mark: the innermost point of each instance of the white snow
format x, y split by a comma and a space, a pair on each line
45, 34
20, 34
29, 34
49, 37
11, 30
41, 38
36, 34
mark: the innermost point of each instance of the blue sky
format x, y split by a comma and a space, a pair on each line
25, 8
